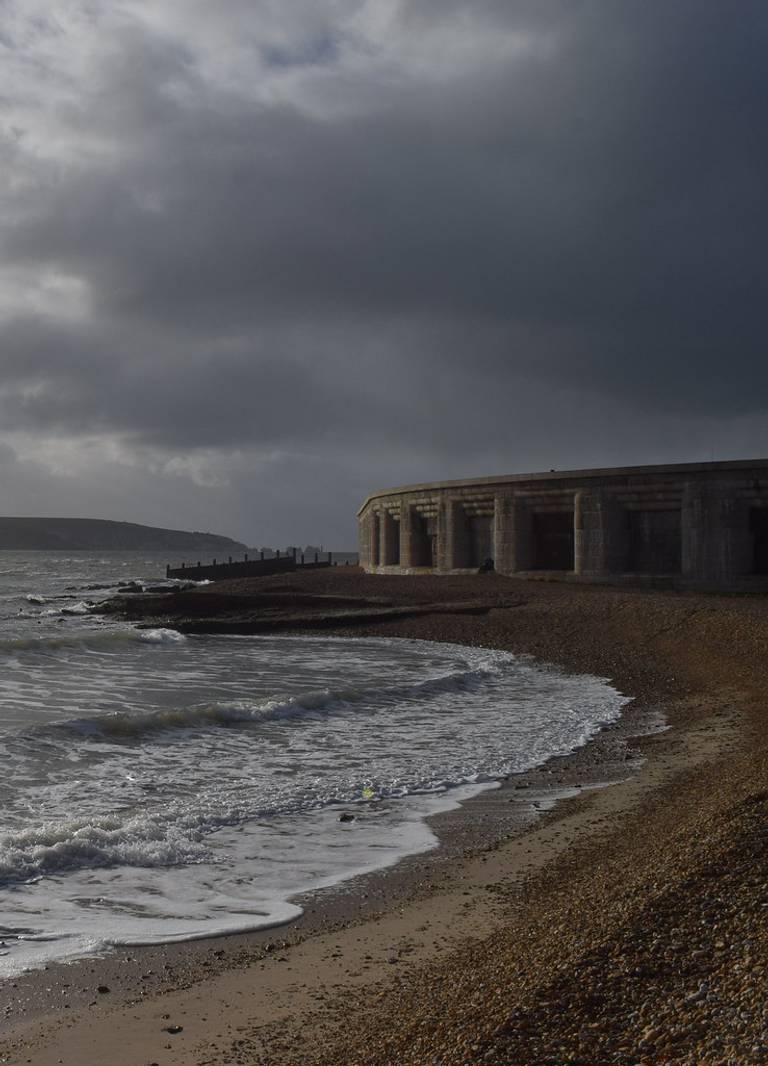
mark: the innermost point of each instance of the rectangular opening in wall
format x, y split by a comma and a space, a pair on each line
424, 541
758, 525
376, 541
393, 543
459, 538
553, 540
480, 539
655, 542
431, 529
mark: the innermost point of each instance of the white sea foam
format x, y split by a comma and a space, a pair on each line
334, 745
83, 607
56, 847
313, 704
160, 787
90, 638
161, 636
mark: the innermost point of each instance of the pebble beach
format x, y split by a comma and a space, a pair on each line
624, 923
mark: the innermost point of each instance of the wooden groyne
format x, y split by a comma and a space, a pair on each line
261, 567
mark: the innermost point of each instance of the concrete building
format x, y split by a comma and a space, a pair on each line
690, 524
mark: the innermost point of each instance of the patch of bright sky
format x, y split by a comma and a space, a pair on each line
45, 293
62, 457
61, 58
214, 468
76, 457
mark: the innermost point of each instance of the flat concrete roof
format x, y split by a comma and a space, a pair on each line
582, 475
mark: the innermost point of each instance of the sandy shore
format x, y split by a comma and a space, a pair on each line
628, 924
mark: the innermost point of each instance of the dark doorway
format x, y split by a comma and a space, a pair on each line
480, 539
431, 527
376, 541
394, 544
389, 540
424, 550
758, 524
655, 542
553, 541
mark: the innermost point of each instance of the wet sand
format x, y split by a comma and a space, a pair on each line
623, 925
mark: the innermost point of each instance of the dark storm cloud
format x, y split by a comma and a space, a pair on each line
337, 231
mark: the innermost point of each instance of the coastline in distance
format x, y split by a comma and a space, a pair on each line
99, 534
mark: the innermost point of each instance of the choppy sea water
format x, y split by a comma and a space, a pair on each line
156, 787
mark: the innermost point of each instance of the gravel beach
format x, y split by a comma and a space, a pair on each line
625, 924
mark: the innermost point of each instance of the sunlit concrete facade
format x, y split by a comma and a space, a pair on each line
692, 524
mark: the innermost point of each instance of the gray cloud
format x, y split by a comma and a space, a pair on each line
308, 250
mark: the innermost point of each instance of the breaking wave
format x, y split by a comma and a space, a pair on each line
160, 636
83, 607
166, 834
224, 763
139, 840
90, 638
319, 703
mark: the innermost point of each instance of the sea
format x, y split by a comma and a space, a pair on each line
157, 787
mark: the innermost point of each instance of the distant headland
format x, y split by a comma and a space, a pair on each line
98, 534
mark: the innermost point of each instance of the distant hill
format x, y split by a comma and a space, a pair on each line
97, 534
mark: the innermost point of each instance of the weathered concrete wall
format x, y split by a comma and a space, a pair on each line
692, 524
717, 540
457, 535
601, 534
389, 540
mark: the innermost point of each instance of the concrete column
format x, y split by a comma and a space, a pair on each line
716, 538
364, 542
522, 536
512, 534
406, 535
442, 555
504, 533
601, 537
456, 552
387, 532
376, 539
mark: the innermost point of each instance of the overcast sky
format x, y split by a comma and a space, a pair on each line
260, 258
